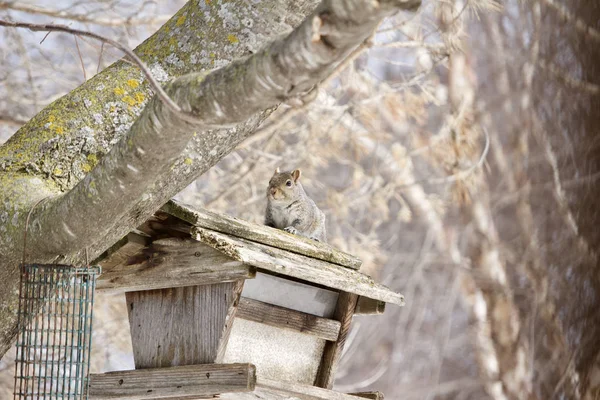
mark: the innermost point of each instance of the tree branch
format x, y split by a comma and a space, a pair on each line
570, 18
130, 54
289, 67
33, 9
10, 120
78, 129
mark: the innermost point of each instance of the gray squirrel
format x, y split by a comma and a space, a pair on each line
289, 207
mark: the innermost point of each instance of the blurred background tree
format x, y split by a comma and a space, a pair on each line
456, 156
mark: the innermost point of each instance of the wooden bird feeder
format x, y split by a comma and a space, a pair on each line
221, 306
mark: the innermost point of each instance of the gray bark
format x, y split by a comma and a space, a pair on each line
56, 148
135, 177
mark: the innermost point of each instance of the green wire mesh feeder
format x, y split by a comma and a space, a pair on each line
55, 331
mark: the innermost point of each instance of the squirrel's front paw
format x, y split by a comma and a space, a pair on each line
315, 239
291, 230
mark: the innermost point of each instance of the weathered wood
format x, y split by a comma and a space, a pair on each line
122, 251
367, 306
333, 350
369, 395
296, 265
229, 318
170, 263
179, 326
163, 224
173, 382
261, 234
285, 318
268, 389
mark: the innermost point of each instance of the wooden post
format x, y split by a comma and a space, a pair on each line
231, 314
333, 350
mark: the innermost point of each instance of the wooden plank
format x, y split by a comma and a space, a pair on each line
229, 318
369, 395
280, 317
172, 263
333, 350
297, 266
270, 389
367, 306
122, 251
261, 234
178, 326
173, 382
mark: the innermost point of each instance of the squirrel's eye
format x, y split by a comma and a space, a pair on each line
288, 183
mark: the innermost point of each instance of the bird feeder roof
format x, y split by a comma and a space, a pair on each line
280, 252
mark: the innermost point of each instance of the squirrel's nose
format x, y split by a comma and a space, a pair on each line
273, 191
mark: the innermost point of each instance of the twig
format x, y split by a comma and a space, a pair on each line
45, 36
27, 61
80, 59
567, 16
9, 120
153, 82
105, 50
100, 57
267, 130
397, 26
32, 9
568, 80
454, 298
459, 175
414, 44
158, 88
566, 373
236, 182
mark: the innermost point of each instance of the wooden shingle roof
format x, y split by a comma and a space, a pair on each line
280, 252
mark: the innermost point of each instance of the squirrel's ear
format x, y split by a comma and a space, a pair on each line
296, 175
276, 171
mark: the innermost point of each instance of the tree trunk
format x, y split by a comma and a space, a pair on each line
151, 159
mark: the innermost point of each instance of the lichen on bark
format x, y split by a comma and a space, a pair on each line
69, 137
57, 147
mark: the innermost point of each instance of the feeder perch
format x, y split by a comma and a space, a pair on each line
221, 306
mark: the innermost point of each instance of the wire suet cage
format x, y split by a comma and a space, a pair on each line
55, 331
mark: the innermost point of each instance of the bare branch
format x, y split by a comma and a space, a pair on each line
80, 59
78, 32
462, 174
559, 192
568, 80
567, 16
10, 120
432, 47
33, 9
